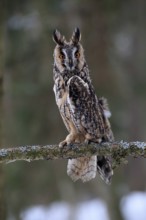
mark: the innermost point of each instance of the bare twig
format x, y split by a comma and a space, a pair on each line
117, 150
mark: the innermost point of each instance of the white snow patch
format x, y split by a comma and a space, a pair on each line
93, 210
56, 211
133, 206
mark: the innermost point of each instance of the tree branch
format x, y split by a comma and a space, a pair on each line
117, 150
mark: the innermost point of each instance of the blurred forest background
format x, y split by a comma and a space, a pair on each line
114, 38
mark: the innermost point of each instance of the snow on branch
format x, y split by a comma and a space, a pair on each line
118, 151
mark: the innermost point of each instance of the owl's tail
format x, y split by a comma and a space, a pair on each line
83, 168
104, 168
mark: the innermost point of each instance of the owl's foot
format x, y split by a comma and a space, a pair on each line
69, 139
87, 141
62, 144
72, 138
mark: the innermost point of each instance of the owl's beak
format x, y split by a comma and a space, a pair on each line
70, 64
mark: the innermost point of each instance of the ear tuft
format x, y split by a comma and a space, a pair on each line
76, 37
58, 38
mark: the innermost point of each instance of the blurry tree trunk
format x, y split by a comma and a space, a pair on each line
100, 64
2, 197
113, 202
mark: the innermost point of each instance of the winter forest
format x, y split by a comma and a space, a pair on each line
114, 39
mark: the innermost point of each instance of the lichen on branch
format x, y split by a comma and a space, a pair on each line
118, 151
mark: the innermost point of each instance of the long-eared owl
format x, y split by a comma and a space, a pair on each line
84, 115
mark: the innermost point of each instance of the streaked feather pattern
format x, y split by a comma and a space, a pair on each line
84, 115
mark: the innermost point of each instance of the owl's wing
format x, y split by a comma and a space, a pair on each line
86, 116
102, 102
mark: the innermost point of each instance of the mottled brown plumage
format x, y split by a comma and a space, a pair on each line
84, 115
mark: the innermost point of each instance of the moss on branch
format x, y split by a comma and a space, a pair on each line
117, 150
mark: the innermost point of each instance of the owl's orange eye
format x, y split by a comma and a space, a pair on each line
61, 56
77, 54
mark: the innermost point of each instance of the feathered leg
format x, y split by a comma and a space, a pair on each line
83, 168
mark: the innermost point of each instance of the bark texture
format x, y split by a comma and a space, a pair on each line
117, 150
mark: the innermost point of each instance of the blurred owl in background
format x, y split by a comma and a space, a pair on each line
84, 115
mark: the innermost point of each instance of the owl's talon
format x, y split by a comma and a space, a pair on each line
65, 143
87, 141
70, 145
92, 141
62, 144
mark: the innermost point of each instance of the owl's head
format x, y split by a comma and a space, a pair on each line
68, 55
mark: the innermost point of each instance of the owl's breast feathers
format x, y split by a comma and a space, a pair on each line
79, 107
61, 93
